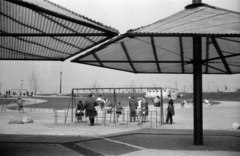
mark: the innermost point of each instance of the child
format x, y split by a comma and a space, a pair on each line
79, 111
119, 109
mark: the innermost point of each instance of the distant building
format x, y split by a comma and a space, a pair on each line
151, 93
17, 92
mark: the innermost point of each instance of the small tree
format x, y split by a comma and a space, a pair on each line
34, 81
95, 84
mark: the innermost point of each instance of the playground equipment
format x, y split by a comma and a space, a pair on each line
113, 95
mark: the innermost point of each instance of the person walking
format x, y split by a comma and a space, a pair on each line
144, 108
170, 110
133, 106
91, 112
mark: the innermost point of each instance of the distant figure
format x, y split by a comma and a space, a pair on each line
133, 106
206, 102
183, 103
211, 101
91, 112
79, 111
157, 101
119, 109
170, 110
20, 105
144, 108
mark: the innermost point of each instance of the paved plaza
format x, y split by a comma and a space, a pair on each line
47, 137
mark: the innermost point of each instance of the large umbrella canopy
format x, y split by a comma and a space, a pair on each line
199, 39
166, 46
42, 30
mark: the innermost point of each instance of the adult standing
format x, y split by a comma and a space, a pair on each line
91, 112
20, 105
144, 108
170, 110
133, 106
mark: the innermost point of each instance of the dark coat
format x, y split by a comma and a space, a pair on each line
89, 105
171, 109
144, 106
133, 105
80, 106
171, 102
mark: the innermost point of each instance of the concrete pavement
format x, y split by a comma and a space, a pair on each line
43, 137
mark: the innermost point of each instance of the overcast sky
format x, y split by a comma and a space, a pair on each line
122, 15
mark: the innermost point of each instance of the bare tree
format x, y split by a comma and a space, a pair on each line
34, 81
96, 84
131, 85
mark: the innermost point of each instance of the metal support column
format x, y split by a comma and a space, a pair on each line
72, 104
197, 98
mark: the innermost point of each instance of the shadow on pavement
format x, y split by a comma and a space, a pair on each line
118, 144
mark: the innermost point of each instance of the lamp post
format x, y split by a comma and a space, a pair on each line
21, 88
60, 82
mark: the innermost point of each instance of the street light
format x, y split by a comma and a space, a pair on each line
21, 88
60, 82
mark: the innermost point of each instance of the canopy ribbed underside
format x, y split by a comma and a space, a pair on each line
42, 30
167, 45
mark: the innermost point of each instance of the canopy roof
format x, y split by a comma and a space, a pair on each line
42, 30
166, 46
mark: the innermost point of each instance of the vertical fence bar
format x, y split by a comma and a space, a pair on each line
151, 120
123, 114
161, 109
127, 117
156, 118
55, 116
72, 104
114, 109
97, 118
104, 116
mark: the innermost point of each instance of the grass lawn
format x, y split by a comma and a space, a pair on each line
65, 102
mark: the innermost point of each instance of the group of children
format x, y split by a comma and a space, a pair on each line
103, 103
137, 108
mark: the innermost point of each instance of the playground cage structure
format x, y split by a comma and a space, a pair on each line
115, 95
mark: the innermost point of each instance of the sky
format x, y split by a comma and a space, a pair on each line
122, 15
